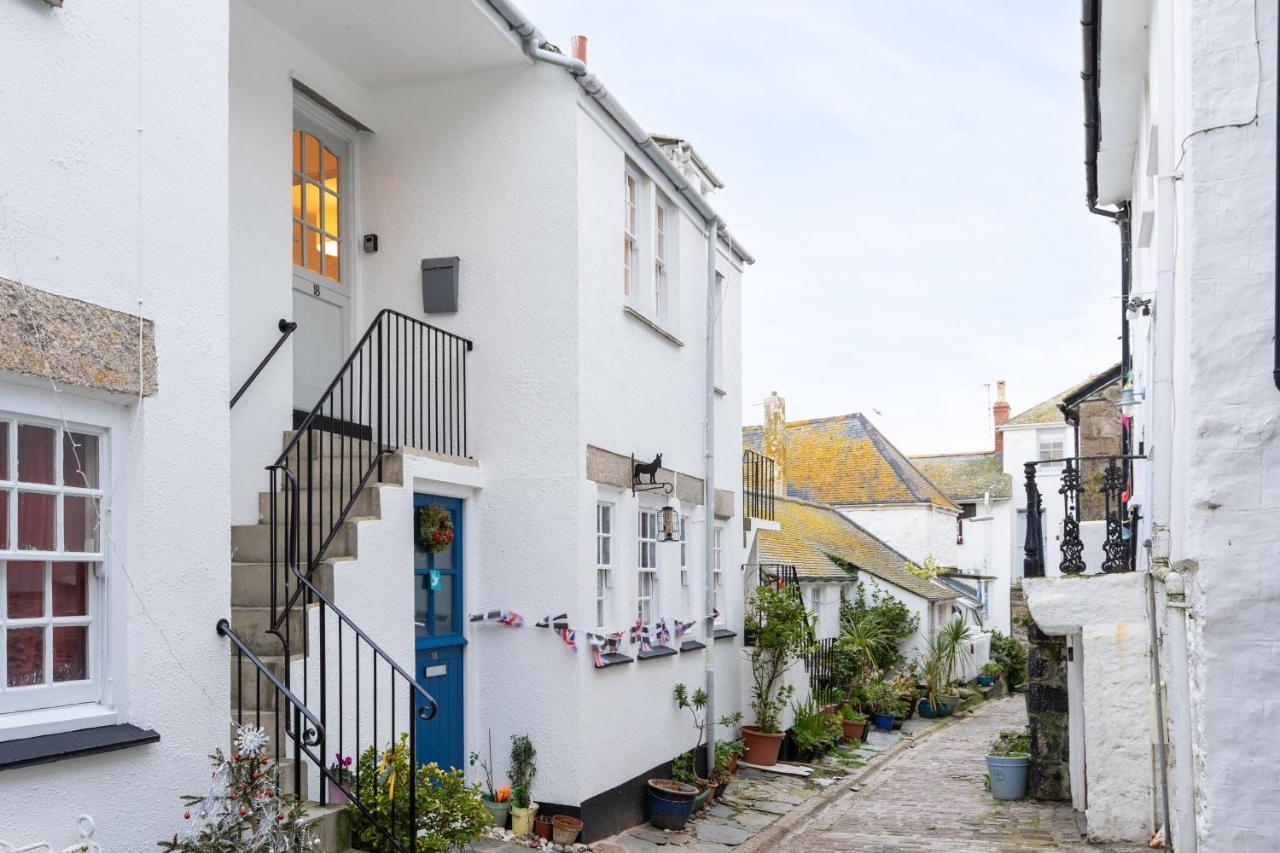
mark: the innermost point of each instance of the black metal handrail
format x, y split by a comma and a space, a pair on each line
403, 385
1119, 547
757, 486
311, 742
287, 328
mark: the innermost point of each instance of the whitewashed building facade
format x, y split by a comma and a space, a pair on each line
1171, 678
501, 291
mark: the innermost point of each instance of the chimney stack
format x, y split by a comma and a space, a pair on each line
1000, 414
775, 440
578, 47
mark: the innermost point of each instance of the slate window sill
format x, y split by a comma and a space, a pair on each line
46, 749
723, 634
656, 652
691, 646
613, 659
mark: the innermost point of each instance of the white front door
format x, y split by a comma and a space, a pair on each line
321, 257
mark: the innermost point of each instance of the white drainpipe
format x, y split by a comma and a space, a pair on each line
532, 41
1180, 836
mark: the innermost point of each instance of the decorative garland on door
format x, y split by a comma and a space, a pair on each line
435, 529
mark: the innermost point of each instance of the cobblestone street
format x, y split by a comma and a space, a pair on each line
931, 798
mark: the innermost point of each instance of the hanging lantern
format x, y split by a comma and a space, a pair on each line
668, 524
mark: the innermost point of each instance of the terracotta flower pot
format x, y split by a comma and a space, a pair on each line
542, 827
854, 731
565, 829
761, 747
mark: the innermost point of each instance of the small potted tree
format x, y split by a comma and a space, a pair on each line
523, 769
496, 800
781, 629
685, 767
1007, 765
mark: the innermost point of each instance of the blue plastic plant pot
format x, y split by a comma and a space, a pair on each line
927, 710
1008, 774
884, 722
667, 813
986, 680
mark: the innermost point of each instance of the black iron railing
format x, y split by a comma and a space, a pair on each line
404, 385
287, 328
1110, 481
779, 575
820, 662
757, 487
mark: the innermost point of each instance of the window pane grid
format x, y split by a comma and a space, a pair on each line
50, 502
604, 559
647, 576
629, 191
317, 206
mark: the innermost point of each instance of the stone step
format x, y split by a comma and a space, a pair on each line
251, 624
330, 444
248, 681
251, 543
367, 503
332, 826
251, 582
321, 473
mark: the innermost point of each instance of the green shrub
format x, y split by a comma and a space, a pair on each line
1011, 655
449, 812
781, 628
1011, 742
813, 730
893, 622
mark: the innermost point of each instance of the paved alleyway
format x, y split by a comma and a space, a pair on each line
931, 799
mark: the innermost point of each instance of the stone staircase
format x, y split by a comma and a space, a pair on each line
251, 613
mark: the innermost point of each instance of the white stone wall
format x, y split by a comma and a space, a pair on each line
113, 189
988, 549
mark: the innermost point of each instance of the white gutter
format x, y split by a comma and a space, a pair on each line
531, 42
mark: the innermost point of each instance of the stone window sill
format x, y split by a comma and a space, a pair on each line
656, 652
691, 646
651, 325
57, 747
613, 659
723, 634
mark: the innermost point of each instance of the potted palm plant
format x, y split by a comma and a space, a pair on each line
523, 769
781, 630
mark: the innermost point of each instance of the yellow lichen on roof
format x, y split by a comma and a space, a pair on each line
810, 532
845, 461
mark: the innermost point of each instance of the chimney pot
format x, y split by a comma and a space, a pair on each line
1000, 414
578, 46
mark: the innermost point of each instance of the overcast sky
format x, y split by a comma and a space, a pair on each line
909, 177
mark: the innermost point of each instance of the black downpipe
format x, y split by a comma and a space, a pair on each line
1090, 29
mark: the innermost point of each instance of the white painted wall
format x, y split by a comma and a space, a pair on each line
916, 530
1212, 467
987, 551
508, 170
114, 191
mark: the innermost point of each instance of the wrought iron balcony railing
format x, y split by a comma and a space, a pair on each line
1095, 486
757, 487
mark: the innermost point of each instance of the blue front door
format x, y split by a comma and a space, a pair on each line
437, 591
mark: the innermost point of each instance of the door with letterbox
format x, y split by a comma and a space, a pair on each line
437, 593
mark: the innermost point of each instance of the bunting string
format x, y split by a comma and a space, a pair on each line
600, 644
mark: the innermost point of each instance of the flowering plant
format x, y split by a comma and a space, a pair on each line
435, 528
340, 768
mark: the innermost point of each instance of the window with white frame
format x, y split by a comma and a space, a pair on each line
630, 230
717, 559
1049, 445
684, 550
663, 223
604, 560
647, 573
51, 551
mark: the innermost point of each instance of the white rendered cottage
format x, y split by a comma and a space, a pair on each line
491, 293
1180, 115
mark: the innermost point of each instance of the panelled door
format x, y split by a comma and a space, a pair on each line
437, 591
321, 257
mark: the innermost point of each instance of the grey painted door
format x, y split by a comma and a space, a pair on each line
321, 258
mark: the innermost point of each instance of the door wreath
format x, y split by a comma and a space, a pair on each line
435, 528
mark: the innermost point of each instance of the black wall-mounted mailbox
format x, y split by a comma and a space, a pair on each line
439, 285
